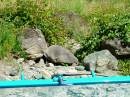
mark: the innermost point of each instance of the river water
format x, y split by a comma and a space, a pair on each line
102, 90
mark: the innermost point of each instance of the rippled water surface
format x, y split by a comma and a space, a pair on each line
107, 90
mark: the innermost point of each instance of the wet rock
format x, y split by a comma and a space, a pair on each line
33, 42
102, 61
57, 54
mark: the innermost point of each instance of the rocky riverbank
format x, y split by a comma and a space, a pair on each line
44, 62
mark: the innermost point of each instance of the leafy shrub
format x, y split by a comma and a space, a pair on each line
36, 14
7, 38
28, 13
124, 66
107, 27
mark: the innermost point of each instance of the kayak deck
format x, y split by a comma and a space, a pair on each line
65, 82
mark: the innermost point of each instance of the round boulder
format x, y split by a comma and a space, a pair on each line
101, 61
57, 54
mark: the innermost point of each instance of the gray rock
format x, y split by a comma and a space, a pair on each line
31, 62
117, 47
3, 77
71, 71
41, 62
50, 65
46, 74
20, 60
14, 72
32, 68
72, 45
33, 42
57, 54
80, 68
38, 76
102, 61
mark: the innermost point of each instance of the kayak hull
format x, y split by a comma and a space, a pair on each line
65, 82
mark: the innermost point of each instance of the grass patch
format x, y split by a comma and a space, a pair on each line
124, 66
7, 38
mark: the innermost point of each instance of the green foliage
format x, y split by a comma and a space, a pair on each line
18, 51
68, 5
107, 27
7, 38
66, 65
22, 13
36, 14
124, 66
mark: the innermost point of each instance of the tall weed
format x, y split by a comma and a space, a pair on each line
7, 38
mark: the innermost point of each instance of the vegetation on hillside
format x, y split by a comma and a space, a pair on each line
29, 13
106, 19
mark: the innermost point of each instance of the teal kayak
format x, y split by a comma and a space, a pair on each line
59, 80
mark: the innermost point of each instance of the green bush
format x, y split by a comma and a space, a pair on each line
9, 43
107, 27
7, 38
36, 14
124, 66
19, 14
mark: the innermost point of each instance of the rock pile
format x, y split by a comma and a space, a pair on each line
34, 43
44, 62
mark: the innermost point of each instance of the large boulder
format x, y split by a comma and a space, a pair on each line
117, 47
33, 42
57, 54
101, 61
